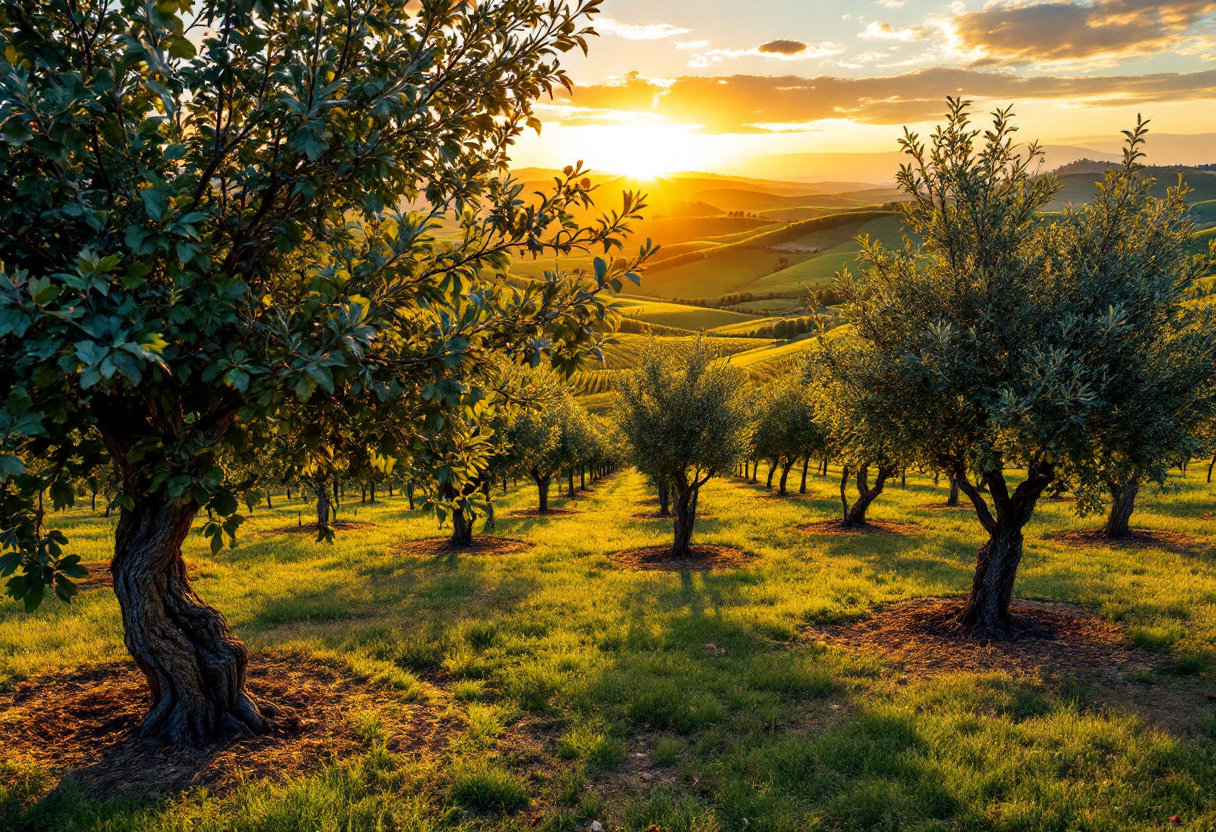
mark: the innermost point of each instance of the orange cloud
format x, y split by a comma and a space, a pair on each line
746, 103
1106, 31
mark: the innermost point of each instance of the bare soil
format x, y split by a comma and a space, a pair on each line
701, 559
1054, 641
483, 546
311, 528
835, 527
1140, 539
962, 506
533, 512
82, 725
654, 515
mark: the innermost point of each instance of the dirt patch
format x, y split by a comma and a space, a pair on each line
790, 495
1055, 642
701, 559
82, 725
98, 576
1141, 539
311, 528
654, 515
482, 546
535, 512
883, 527
920, 637
946, 507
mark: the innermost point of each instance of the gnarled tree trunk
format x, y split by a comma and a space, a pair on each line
664, 488
854, 516
785, 476
486, 489
542, 489
996, 565
685, 516
323, 506
772, 469
806, 464
462, 530
195, 667
952, 500
1123, 503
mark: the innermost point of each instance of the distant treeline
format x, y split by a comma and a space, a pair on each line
827, 297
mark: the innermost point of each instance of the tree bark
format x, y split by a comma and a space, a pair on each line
855, 515
664, 488
1211, 465
806, 464
996, 566
322, 502
195, 667
952, 500
785, 476
486, 489
462, 530
685, 516
1123, 503
772, 469
409, 493
542, 489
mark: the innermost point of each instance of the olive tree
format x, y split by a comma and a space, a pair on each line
996, 344
788, 427
685, 414
213, 211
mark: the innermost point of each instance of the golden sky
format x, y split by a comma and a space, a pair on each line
750, 88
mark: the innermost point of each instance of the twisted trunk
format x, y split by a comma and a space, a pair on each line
462, 530
542, 489
323, 507
486, 489
685, 516
996, 565
855, 516
195, 667
772, 469
952, 500
664, 488
785, 476
806, 464
1123, 503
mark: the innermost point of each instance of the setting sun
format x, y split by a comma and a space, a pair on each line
639, 150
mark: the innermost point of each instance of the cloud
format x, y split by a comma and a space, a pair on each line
1099, 32
782, 50
747, 103
885, 31
782, 47
891, 4
631, 31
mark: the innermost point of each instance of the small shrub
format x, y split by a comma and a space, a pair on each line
488, 787
367, 728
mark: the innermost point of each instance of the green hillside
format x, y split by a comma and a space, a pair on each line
681, 316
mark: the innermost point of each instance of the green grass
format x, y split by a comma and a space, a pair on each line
679, 315
565, 676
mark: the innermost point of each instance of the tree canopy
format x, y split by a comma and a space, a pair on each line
212, 212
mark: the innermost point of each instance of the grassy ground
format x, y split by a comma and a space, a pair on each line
579, 691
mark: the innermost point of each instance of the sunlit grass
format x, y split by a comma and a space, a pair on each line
593, 665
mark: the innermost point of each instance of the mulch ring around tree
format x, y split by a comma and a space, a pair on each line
700, 559
882, 527
82, 725
535, 512
311, 528
920, 636
654, 515
1176, 542
442, 546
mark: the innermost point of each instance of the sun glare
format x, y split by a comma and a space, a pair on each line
641, 151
